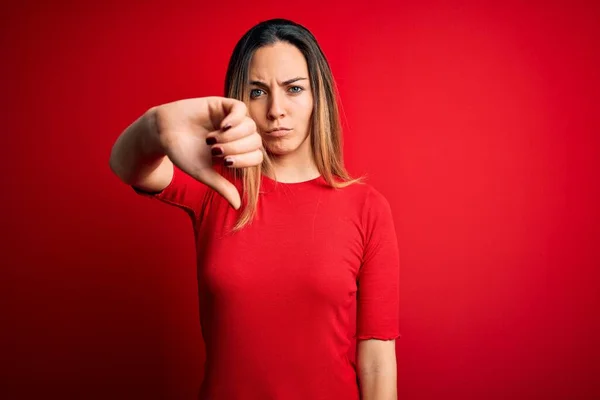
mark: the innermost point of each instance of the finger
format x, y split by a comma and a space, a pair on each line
235, 111
245, 128
244, 160
222, 186
244, 145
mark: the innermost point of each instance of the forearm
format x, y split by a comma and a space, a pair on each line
379, 384
137, 151
376, 362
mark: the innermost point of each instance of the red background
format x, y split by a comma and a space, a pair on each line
479, 122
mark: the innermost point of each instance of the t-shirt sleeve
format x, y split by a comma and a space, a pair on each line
378, 278
183, 192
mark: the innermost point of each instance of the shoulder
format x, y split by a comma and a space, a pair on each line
366, 195
363, 202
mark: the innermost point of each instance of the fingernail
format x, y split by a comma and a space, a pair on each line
216, 151
228, 162
226, 127
211, 140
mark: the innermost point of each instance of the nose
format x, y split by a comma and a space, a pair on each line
276, 107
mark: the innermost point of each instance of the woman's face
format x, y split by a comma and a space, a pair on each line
281, 98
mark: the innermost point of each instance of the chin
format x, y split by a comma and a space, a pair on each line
285, 145
280, 150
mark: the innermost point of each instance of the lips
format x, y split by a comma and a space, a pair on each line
280, 128
278, 132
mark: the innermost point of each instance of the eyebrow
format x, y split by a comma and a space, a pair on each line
259, 83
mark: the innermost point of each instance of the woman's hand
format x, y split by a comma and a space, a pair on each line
195, 133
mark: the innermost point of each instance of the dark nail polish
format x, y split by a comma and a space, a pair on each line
216, 151
226, 127
228, 162
211, 140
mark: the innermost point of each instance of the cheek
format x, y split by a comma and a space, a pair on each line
255, 111
305, 108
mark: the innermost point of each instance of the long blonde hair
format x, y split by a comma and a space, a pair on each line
325, 127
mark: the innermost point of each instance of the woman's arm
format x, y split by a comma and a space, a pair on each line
137, 157
376, 361
176, 133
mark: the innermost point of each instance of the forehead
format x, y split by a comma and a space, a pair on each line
279, 61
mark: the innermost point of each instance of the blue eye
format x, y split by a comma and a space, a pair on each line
253, 93
297, 87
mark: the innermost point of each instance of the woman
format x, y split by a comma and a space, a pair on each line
297, 262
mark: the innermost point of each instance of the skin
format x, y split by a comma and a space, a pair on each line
278, 99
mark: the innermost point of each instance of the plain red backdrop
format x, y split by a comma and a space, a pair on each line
479, 122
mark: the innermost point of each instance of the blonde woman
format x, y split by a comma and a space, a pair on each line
297, 261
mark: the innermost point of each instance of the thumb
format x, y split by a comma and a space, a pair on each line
222, 186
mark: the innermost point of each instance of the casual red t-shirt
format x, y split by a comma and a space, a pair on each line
283, 302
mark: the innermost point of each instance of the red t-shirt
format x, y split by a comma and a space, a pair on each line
283, 301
